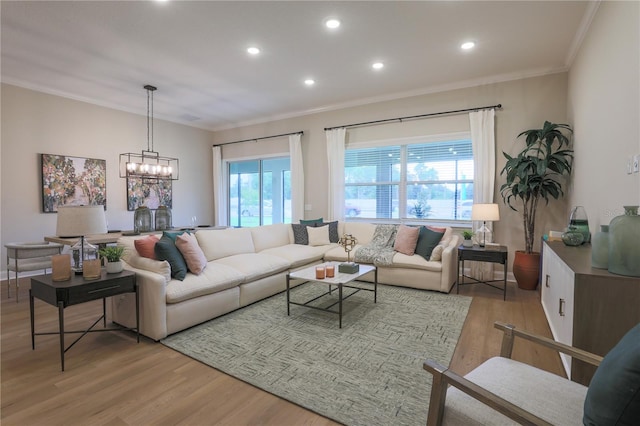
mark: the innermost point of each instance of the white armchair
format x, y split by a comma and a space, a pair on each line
504, 391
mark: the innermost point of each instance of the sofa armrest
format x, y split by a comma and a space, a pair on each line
449, 273
153, 304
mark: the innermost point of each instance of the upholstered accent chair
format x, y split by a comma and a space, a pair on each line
504, 391
23, 257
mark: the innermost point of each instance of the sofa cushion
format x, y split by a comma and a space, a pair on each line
217, 244
363, 232
269, 236
318, 236
254, 266
214, 278
337, 254
427, 241
436, 254
406, 239
401, 260
192, 253
300, 235
166, 250
334, 237
298, 255
146, 246
613, 397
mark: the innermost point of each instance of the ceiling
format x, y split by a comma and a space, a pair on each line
195, 52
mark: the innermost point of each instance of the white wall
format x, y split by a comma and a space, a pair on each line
604, 106
35, 123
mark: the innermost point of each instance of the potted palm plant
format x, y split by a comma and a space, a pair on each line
535, 174
113, 255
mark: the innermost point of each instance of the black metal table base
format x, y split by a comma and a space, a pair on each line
341, 297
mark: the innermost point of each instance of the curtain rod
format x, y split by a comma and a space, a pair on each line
257, 139
459, 111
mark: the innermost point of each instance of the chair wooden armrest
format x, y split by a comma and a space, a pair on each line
443, 377
510, 333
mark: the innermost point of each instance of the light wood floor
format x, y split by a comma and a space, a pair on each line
111, 380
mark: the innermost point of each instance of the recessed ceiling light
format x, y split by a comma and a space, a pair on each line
253, 50
467, 45
309, 82
377, 65
332, 23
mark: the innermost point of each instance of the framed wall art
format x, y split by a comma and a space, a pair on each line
72, 181
148, 192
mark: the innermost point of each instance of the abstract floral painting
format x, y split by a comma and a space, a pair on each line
72, 181
151, 193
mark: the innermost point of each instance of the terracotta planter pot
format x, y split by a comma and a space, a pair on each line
526, 269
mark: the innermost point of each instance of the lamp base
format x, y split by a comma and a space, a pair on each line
348, 268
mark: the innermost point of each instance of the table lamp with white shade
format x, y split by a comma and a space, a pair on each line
80, 221
485, 213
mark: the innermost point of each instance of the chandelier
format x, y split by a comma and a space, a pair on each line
149, 164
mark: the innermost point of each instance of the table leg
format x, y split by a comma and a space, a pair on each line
375, 286
104, 312
288, 309
61, 325
458, 274
137, 312
340, 304
505, 281
33, 331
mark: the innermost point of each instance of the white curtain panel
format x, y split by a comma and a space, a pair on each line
219, 189
483, 143
297, 178
335, 156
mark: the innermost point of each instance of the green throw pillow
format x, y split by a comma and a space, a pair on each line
166, 249
613, 397
173, 235
427, 241
311, 222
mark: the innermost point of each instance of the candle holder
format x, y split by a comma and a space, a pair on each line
348, 242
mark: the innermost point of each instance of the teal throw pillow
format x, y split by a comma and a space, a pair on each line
173, 235
427, 241
166, 249
613, 397
311, 222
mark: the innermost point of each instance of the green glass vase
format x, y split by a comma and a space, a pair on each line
624, 243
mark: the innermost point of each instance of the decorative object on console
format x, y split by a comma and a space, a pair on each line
578, 221
348, 242
624, 240
113, 255
91, 269
533, 175
72, 181
600, 248
573, 237
149, 164
142, 219
60, 267
467, 235
163, 218
485, 213
80, 221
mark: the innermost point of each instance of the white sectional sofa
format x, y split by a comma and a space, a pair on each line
245, 265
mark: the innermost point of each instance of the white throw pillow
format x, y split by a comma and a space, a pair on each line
318, 236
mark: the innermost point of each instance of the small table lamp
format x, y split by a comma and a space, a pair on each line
485, 213
79, 221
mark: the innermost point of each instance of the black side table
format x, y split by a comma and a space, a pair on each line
481, 254
78, 290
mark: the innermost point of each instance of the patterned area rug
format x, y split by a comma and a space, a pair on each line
367, 373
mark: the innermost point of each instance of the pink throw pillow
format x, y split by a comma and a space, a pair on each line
146, 246
406, 239
192, 253
437, 229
